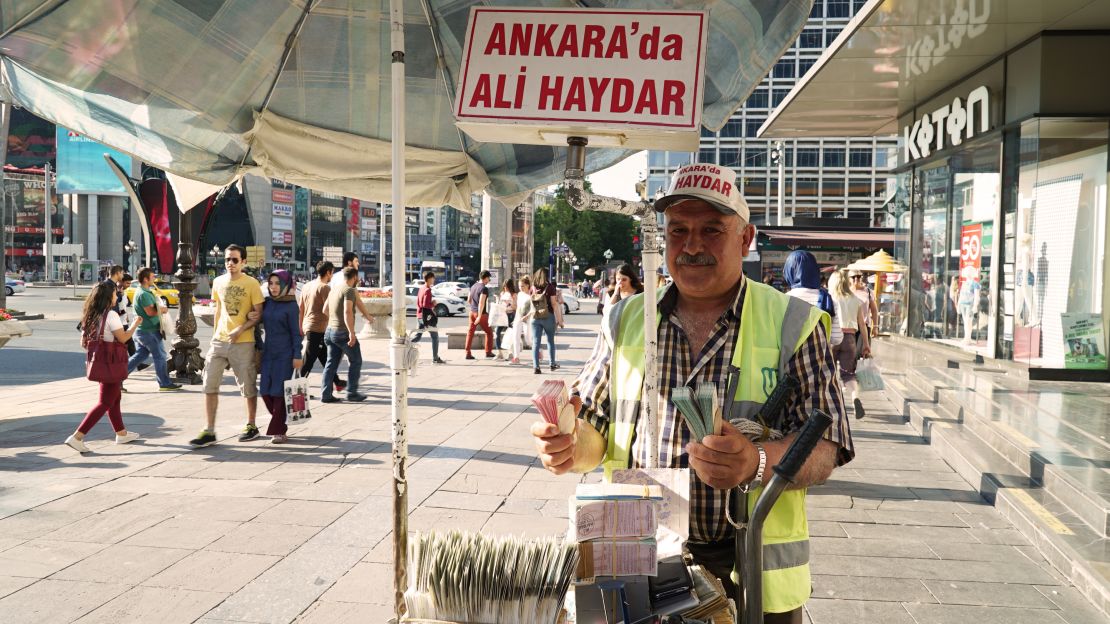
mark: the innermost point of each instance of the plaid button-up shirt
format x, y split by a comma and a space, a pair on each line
813, 365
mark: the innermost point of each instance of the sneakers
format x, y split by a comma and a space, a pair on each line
856, 403
470, 357
77, 445
330, 399
206, 438
490, 354
356, 397
438, 361
130, 436
170, 388
537, 370
340, 385
500, 357
250, 432
279, 439
554, 367
514, 361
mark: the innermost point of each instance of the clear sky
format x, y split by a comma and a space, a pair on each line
620, 179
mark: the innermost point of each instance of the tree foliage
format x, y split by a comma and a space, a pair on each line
588, 234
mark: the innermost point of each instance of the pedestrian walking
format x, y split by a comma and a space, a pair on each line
314, 319
100, 321
626, 284
149, 310
478, 302
507, 301
871, 308
426, 311
123, 309
350, 259
546, 316
715, 326
803, 278
522, 321
856, 343
281, 349
237, 298
341, 340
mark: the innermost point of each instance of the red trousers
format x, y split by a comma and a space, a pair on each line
109, 402
479, 321
276, 406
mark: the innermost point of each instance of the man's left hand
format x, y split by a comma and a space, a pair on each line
254, 315
724, 461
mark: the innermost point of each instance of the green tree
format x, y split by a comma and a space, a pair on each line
587, 233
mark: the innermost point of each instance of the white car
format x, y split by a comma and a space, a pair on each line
446, 305
570, 302
458, 290
12, 286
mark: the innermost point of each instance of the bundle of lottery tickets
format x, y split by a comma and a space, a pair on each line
553, 403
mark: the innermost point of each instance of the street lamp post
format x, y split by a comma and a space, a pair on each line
129, 248
778, 156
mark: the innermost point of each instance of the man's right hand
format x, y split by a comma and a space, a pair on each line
352, 341
556, 450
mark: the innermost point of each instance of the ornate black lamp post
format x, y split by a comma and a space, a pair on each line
185, 359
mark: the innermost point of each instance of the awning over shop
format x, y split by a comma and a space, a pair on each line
872, 238
896, 54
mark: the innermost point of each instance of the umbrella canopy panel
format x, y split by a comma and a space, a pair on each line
211, 90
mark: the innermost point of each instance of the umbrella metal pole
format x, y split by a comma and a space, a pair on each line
399, 348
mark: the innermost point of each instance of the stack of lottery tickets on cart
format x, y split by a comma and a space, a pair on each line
553, 403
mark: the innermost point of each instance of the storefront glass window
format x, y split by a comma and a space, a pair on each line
1056, 292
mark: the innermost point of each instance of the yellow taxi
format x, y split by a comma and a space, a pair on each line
161, 289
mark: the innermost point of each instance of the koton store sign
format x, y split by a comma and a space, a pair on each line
620, 78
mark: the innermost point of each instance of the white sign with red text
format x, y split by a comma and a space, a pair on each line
620, 78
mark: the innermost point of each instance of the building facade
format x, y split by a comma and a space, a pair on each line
823, 176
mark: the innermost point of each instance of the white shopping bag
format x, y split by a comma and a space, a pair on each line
868, 375
168, 326
498, 316
296, 399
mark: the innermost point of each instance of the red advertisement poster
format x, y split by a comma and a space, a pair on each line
971, 250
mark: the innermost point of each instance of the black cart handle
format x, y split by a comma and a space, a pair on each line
803, 445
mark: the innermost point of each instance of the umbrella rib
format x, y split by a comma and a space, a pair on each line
448, 87
38, 13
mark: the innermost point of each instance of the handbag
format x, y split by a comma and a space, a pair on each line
868, 375
105, 362
296, 399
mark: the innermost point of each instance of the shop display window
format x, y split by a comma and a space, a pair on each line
1053, 294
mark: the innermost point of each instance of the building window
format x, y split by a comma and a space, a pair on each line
751, 126
859, 157
857, 5
758, 99
838, 8
707, 155
804, 64
783, 69
832, 187
881, 156
730, 157
755, 186
755, 157
732, 129
810, 39
859, 187
707, 133
833, 157
807, 157
805, 186
818, 10
777, 96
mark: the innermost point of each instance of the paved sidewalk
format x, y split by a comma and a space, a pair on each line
156, 532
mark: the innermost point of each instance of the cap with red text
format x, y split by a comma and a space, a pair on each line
708, 182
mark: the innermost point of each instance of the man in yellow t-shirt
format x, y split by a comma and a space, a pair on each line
236, 295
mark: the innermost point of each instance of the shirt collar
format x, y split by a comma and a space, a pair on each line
669, 301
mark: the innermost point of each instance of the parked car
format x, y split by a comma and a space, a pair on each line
446, 305
456, 289
12, 286
161, 289
570, 302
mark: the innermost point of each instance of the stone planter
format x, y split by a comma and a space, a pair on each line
12, 329
382, 311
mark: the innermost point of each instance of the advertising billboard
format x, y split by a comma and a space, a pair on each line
31, 140
82, 168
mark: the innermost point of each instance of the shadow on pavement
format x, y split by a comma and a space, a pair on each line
22, 366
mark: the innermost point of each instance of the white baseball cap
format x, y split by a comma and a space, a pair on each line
710, 183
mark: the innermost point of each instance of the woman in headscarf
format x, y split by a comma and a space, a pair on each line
803, 278
281, 350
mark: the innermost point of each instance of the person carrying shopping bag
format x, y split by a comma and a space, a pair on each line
857, 342
507, 304
102, 332
429, 320
521, 320
547, 315
281, 350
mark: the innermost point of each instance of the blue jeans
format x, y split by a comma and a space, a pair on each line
336, 341
150, 344
539, 328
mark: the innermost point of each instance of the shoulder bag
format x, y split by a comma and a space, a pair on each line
105, 362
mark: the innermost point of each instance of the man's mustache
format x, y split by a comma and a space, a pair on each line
695, 260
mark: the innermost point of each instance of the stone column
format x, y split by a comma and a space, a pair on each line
185, 359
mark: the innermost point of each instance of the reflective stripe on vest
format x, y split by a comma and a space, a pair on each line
773, 327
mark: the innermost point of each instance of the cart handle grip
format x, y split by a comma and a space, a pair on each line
795, 456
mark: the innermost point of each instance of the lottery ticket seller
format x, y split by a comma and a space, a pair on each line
711, 317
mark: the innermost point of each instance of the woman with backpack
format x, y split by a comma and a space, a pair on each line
101, 322
546, 316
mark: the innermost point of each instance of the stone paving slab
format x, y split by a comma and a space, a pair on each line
252, 532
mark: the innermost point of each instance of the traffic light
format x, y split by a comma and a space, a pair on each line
636, 241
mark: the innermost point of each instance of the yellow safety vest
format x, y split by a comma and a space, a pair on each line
773, 326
